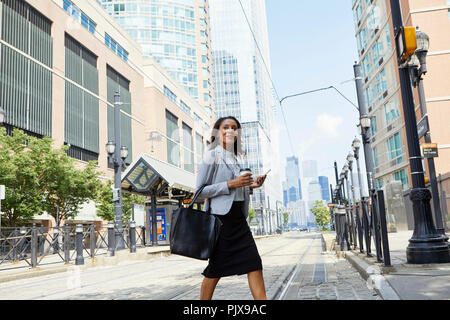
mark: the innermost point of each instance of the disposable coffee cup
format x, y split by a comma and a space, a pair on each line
244, 171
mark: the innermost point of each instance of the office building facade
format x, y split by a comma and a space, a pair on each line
59, 76
174, 33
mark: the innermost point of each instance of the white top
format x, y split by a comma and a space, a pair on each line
234, 162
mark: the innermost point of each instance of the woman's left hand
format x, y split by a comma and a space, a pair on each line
258, 182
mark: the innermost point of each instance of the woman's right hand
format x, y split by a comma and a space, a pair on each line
242, 181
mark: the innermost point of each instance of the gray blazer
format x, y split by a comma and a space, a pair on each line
214, 172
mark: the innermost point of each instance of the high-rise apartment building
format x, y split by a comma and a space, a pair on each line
376, 46
175, 34
376, 49
433, 18
241, 63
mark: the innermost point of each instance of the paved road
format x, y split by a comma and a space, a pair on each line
176, 277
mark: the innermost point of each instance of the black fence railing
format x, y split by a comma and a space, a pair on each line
356, 226
65, 244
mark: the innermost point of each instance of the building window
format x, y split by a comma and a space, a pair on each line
402, 177
116, 48
79, 16
375, 156
169, 94
373, 125
185, 107
188, 145
81, 114
26, 86
394, 146
173, 139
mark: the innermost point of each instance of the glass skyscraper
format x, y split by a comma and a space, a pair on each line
293, 186
241, 64
324, 187
176, 34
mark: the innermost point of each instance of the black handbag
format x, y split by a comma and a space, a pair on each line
194, 233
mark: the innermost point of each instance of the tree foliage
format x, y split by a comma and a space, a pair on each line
285, 218
20, 160
251, 214
39, 178
321, 213
105, 205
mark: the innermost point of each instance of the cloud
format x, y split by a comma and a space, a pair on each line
329, 125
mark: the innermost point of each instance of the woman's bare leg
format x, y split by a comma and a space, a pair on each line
207, 289
256, 284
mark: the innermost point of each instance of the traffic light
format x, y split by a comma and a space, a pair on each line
407, 42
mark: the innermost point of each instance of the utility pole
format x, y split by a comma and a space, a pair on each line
426, 244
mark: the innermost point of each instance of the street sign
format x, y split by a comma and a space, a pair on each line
423, 126
2, 192
430, 150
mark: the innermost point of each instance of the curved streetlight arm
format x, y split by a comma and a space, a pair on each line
316, 90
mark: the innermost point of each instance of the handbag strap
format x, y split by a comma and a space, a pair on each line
197, 194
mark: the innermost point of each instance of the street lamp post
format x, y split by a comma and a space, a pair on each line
116, 156
426, 244
354, 210
418, 67
365, 215
350, 159
350, 220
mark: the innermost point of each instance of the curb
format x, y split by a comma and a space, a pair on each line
373, 274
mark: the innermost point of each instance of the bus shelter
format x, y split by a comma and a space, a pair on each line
161, 182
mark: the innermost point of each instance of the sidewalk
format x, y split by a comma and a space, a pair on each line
403, 281
52, 264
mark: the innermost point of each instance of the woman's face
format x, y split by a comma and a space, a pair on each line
228, 132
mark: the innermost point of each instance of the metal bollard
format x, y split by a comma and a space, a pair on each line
34, 246
79, 244
360, 230
66, 243
55, 240
384, 233
143, 236
22, 243
15, 244
111, 239
92, 242
132, 236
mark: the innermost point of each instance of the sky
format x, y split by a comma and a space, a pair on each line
313, 45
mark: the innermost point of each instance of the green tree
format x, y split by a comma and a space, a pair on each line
105, 205
285, 218
251, 214
20, 161
321, 213
66, 187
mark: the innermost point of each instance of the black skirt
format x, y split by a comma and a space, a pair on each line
235, 252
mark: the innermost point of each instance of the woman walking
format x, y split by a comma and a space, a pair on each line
227, 194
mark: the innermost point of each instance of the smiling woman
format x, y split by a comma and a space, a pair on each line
227, 190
